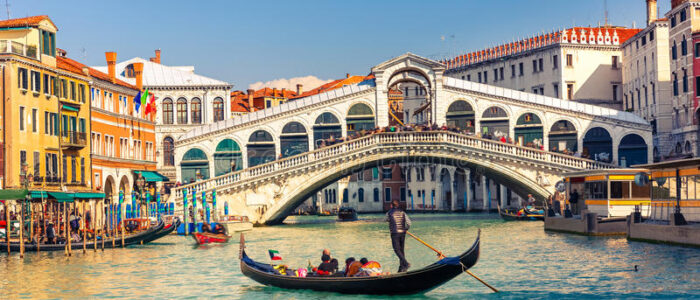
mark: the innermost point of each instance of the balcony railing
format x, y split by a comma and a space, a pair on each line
74, 139
8, 46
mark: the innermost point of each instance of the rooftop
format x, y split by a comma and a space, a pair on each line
70, 65
155, 74
25, 22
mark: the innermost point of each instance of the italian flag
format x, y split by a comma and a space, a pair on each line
275, 255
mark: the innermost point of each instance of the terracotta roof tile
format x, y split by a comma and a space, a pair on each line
338, 83
70, 65
28, 21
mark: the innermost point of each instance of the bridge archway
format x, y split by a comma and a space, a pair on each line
460, 114
563, 136
110, 188
227, 157
327, 125
360, 117
446, 189
632, 150
410, 97
194, 166
521, 184
261, 148
495, 122
294, 139
597, 144
528, 130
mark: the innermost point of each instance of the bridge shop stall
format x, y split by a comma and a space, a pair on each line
606, 198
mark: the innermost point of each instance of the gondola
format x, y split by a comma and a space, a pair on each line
128, 240
347, 214
526, 216
167, 229
208, 238
411, 282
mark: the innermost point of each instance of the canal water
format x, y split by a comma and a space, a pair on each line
518, 258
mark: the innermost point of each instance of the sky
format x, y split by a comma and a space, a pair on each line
251, 43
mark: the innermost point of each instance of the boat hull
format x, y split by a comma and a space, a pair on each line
204, 238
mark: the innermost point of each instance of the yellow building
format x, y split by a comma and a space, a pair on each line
45, 113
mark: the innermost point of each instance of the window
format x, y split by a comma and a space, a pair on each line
402, 194
81, 127
375, 195
361, 195
646, 97
168, 152
345, 196
479, 76
82, 170
697, 84
697, 49
268, 103
653, 93
469, 77
673, 21
683, 15
37, 164
512, 70
35, 120
495, 74
47, 118
616, 62
64, 88
486, 77
569, 91
36, 81
614, 92
361, 175
673, 51
651, 35
54, 86
556, 89
541, 64
81, 93
72, 90
386, 173
501, 71
168, 111
21, 118
22, 80
22, 158
534, 66
218, 109
73, 169
196, 111
387, 194
375, 174
522, 69
684, 46
569, 60
644, 40
685, 81
541, 90
181, 111
555, 62
631, 100
675, 84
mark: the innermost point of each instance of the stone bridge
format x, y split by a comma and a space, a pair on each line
277, 158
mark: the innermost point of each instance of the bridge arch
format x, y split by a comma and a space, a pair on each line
360, 116
563, 135
598, 144
228, 156
460, 114
529, 129
194, 165
632, 150
399, 70
260, 148
521, 184
294, 139
494, 120
326, 124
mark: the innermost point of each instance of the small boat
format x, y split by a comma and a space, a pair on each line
347, 214
132, 239
208, 238
411, 282
525, 215
167, 229
235, 223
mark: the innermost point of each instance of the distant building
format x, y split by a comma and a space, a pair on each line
581, 64
260, 99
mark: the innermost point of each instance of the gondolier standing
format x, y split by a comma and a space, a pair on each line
399, 223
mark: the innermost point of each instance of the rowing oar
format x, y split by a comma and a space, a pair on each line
443, 256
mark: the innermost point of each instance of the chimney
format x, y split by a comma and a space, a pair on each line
652, 11
274, 92
347, 75
300, 89
111, 62
250, 99
138, 72
283, 90
157, 58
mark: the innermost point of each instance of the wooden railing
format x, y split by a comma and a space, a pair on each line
370, 142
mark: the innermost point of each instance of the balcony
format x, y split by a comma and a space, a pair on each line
73, 140
12, 47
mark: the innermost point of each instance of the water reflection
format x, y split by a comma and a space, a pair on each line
518, 258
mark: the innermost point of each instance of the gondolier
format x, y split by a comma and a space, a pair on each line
399, 223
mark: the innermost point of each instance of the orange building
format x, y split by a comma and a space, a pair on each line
261, 99
123, 140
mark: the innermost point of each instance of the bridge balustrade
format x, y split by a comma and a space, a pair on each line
338, 151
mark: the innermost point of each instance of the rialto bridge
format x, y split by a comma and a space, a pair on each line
265, 163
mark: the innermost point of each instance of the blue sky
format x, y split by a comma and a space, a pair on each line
243, 42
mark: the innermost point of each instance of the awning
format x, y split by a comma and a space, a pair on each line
152, 176
38, 194
88, 195
62, 197
70, 108
11, 194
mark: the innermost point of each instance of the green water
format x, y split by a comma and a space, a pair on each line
518, 258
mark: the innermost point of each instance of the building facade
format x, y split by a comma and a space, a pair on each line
184, 101
581, 64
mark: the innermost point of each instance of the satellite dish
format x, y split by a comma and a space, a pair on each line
560, 186
641, 179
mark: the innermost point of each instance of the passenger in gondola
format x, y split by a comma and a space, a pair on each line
219, 229
50, 234
206, 227
352, 266
326, 267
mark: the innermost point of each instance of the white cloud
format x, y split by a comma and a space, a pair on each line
309, 82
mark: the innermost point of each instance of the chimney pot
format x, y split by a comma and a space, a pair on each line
347, 75
251, 92
300, 89
138, 72
111, 62
157, 58
652, 11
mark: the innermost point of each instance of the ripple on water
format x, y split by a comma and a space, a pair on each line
519, 258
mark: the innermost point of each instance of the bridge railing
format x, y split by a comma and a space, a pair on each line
404, 138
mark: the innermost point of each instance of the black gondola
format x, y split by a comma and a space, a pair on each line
347, 214
526, 216
128, 240
411, 282
166, 230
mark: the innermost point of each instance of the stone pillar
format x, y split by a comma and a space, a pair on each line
485, 192
454, 191
504, 194
468, 189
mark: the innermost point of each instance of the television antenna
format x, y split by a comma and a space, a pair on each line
7, 7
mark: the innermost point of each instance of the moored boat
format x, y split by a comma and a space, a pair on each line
208, 238
166, 230
235, 223
522, 215
347, 214
411, 282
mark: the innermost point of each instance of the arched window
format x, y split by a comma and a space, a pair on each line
563, 137
261, 148
326, 127
227, 157
167, 111
168, 152
182, 111
597, 145
684, 46
632, 150
194, 166
218, 109
494, 123
196, 111
688, 148
460, 115
528, 130
360, 117
679, 149
294, 139
376, 194
361, 195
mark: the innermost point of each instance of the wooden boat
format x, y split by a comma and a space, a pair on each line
208, 238
525, 216
131, 239
235, 223
347, 214
410, 282
167, 229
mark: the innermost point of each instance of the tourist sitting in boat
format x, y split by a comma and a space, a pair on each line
206, 227
352, 266
219, 229
370, 268
326, 267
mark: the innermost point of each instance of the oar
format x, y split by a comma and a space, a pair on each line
443, 256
